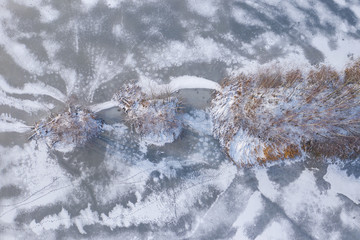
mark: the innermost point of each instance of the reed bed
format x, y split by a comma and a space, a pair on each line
69, 129
274, 114
153, 116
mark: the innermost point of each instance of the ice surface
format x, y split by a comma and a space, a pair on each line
84, 51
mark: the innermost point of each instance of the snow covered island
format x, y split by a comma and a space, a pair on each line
68, 129
273, 114
154, 117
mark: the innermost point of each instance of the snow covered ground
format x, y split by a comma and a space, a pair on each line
52, 52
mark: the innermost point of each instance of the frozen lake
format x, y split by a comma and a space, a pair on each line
53, 52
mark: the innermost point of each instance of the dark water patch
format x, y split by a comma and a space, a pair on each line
182, 226
284, 174
11, 139
9, 191
38, 213
345, 13
246, 33
352, 167
15, 75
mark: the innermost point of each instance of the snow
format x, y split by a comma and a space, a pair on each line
205, 8
113, 3
24, 105
12, 125
20, 54
341, 183
278, 230
48, 14
39, 176
103, 106
350, 218
89, 4
186, 82
156, 208
68, 129
120, 187
245, 148
199, 121
243, 17
153, 116
34, 89
51, 47
254, 209
303, 197
199, 49
86, 218
149, 86
255, 122
345, 48
52, 222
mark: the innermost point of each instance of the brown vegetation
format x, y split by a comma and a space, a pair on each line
75, 126
153, 116
352, 73
290, 113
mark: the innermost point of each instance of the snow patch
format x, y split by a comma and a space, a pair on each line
197, 49
21, 54
52, 222
51, 47
24, 105
48, 14
254, 208
346, 49
149, 86
34, 89
199, 121
89, 4
207, 8
103, 106
9, 124
341, 183
278, 229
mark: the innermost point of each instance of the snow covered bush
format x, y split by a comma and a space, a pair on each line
69, 129
154, 117
272, 114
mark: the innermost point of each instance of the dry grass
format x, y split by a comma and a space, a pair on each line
291, 113
272, 153
352, 72
75, 126
150, 115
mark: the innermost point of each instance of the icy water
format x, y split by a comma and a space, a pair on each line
115, 188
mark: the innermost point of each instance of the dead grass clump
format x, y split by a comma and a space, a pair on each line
292, 77
324, 75
66, 130
269, 77
272, 153
317, 114
153, 116
352, 73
